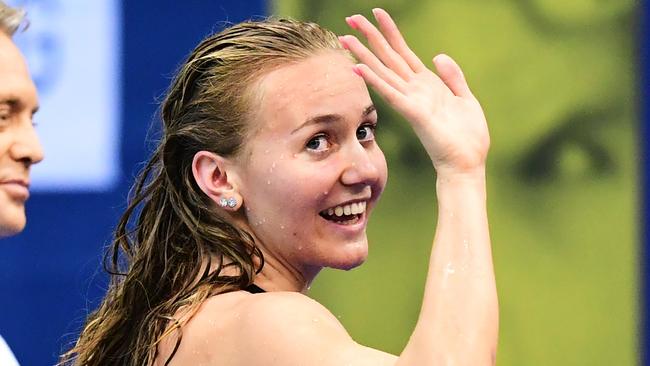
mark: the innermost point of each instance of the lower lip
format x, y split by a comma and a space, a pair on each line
16, 191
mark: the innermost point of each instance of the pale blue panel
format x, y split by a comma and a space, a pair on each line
74, 52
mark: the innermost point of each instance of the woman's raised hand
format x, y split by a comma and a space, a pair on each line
447, 118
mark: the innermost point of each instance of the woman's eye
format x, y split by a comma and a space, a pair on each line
366, 133
318, 143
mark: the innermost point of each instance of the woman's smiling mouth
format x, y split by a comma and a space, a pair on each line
346, 214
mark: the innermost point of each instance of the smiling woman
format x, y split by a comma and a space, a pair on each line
267, 172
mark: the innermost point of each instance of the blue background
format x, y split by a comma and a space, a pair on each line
51, 273
644, 60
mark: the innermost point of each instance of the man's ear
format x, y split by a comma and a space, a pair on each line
210, 174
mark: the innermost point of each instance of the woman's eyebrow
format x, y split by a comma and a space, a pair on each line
369, 109
332, 117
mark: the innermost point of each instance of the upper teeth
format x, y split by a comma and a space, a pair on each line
349, 209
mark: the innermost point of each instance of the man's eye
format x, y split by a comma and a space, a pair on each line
571, 151
366, 133
318, 143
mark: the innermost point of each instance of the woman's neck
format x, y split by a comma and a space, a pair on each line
279, 274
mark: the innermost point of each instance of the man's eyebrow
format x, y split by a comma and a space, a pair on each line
9, 101
329, 118
13, 102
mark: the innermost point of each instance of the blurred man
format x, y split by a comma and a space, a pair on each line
19, 145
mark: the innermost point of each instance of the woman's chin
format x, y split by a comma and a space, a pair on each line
354, 255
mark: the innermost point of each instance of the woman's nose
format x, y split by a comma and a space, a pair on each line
360, 167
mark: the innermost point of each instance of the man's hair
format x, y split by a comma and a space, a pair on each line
10, 19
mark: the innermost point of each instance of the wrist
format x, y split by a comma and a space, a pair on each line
453, 187
455, 175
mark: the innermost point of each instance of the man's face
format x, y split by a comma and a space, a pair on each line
19, 145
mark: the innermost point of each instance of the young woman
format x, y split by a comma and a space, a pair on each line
267, 171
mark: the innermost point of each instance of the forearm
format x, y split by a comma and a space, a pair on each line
458, 322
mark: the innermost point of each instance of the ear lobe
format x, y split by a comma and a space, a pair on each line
209, 171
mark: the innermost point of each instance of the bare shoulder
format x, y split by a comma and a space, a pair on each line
290, 309
277, 328
297, 330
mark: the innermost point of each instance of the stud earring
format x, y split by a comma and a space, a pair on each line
228, 202
232, 202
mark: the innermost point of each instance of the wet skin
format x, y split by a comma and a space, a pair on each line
558, 87
311, 148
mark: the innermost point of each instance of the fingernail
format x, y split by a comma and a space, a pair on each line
351, 22
356, 70
342, 41
374, 11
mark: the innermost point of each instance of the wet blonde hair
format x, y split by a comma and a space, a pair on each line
10, 19
171, 235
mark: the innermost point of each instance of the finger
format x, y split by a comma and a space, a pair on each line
396, 40
451, 74
379, 45
368, 58
387, 92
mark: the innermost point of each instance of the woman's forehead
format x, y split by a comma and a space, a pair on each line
324, 83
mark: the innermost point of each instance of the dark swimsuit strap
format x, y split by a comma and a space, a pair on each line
254, 289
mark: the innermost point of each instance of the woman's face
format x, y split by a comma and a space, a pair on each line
311, 170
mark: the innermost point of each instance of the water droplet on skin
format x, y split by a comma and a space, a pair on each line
315, 320
273, 165
326, 193
268, 182
282, 227
449, 269
465, 243
300, 247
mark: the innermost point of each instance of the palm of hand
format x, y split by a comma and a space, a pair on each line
447, 118
452, 128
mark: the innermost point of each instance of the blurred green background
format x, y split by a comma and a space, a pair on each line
557, 82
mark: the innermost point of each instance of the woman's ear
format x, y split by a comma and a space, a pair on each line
210, 173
